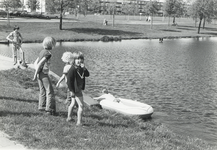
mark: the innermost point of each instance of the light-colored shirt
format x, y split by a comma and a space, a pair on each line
66, 70
46, 67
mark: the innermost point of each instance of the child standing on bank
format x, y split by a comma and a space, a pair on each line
67, 58
76, 83
16, 38
46, 94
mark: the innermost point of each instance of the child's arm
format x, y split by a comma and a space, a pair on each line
86, 72
41, 62
21, 39
60, 80
8, 37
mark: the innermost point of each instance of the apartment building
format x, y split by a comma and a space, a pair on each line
120, 4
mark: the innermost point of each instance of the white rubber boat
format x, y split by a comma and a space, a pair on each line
128, 107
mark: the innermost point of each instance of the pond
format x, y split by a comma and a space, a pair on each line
178, 77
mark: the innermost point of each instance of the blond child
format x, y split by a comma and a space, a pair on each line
46, 94
67, 58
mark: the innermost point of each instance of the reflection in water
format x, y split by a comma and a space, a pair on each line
177, 77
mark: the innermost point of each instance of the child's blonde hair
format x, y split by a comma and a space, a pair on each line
74, 56
49, 43
67, 57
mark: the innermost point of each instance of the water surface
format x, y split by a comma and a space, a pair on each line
178, 77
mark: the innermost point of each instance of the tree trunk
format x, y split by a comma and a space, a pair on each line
61, 20
61, 16
113, 19
174, 20
151, 20
113, 16
199, 26
204, 21
8, 17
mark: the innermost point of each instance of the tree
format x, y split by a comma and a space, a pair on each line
51, 6
192, 12
151, 8
209, 14
129, 8
83, 7
203, 9
94, 5
33, 4
60, 6
63, 4
173, 8
12, 4
7, 4
135, 8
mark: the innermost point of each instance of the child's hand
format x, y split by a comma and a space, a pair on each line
34, 78
82, 65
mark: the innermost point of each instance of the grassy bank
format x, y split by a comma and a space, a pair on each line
103, 129
90, 28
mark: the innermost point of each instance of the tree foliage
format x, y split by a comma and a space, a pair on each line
33, 4
56, 5
51, 6
94, 6
203, 10
151, 7
126, 8
11, 4
83, 6
174, 8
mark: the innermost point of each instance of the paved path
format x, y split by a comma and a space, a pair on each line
5, 142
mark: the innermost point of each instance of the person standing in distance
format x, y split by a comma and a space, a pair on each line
16, 39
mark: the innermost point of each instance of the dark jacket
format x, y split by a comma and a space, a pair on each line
74, 78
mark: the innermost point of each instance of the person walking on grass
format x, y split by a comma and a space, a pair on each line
16, 39
67, 58
42, 64
76, 83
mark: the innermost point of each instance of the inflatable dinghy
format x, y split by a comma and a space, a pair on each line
128, 107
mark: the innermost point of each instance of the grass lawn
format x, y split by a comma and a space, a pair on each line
103, 129
91, 28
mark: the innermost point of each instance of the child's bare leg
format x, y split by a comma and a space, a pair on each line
22, 56
14, 51
70, 109
80, 102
